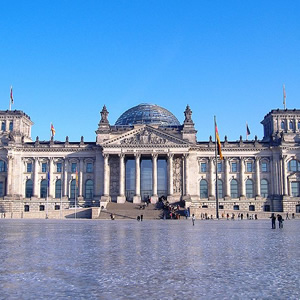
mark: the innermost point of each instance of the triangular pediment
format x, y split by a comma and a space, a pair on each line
143, 136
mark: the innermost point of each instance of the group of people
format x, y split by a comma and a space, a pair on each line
279, 219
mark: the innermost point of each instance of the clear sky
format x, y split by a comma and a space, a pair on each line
66, 59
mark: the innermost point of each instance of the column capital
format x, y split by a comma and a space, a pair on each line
137, 155
121, 155
170, 155
154, 155
106, 155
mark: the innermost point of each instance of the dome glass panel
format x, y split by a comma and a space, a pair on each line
147, 114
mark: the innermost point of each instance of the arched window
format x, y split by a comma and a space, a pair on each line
282, 125
89, 188
264, 188
294, 165
234, 193
58, 188
220, 189
203, 189
249, 188
2, 166
251, 207
28, 188
73, 188
291, 125
44, 188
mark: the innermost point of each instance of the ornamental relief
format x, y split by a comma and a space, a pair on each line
177, 175
144, 137
114, 175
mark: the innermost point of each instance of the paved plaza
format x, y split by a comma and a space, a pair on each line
163, 259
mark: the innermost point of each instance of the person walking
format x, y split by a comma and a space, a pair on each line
280, 221
193, 219
273, 220
287, 216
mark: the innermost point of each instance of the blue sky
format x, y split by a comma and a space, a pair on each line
66, 59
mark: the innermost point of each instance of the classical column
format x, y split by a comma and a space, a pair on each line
284, 177
186, 171
51, 181
66, 164
170, 176
227, 184
35, 178
154, 197
121, 198
9, 190
257, 177
242, 178
211, 185
137, 197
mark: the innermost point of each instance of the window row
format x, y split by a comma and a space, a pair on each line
59, 167
11, 126
89, 189
291, 124
234, 189
234, 167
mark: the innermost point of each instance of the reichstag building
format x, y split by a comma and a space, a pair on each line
149, 153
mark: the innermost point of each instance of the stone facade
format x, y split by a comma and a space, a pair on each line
258, 175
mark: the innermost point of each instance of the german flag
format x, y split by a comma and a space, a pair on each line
218, 142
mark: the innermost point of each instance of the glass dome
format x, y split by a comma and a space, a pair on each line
146, 113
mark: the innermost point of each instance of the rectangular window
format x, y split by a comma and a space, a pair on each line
203, 167
219, 167
295, 189
3, 126
1, 189
29, 167
58, 167
73, 167
249, 167
234, 167
264, 167
11, 126
44, 167
89, 167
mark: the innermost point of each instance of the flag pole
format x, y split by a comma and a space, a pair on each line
216, 159
284, 97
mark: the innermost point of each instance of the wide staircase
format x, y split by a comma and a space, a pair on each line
131, 211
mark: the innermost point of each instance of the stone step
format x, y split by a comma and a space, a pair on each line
131, 211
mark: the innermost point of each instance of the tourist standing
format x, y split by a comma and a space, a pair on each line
287, 216
280, 221
193, 219
273, 220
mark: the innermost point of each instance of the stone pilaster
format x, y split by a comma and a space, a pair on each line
186, 172
66, 165
227, 183
211, 186
242, 179
51, 181
257, 177
35, 178
9, 190
284, 177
